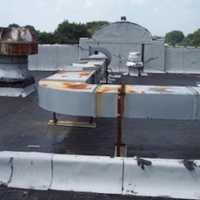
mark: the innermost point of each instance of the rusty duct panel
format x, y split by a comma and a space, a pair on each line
75, 99
146, 102
79, 99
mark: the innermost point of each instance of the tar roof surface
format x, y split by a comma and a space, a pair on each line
24, 128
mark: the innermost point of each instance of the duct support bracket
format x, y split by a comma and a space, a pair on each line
69, 123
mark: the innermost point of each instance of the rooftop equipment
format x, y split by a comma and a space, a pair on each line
15, 46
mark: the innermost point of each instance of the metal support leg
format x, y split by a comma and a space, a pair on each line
120, 147
55, 120
92, 120
139, 72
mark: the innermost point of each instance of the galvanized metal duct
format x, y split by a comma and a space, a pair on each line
148, 102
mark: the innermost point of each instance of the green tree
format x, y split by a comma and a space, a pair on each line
70, 32
196, 38
46, 38
174, 37
13, 25
188, 41
192, 39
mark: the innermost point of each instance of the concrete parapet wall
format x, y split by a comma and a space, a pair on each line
53, 57
157, 58
182, 60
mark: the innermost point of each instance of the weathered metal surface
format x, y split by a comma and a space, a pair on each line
122, 32
10, 73
67, 86
76, 99
91, 63
17, 92
147, 102
15, 46
17, 42
162, 102
18, 49
126, 176
79, 99
73, 76
106, 101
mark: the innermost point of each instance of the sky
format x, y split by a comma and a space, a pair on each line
159, 16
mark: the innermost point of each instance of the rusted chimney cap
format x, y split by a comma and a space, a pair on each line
17, 41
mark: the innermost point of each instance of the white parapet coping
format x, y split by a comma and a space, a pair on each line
87, 174
164, 178
6, 168
31, 171
104, 175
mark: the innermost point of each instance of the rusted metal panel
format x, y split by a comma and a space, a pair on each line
15, 46
18, 49
17, 42
67, 86
147, 102
76, 99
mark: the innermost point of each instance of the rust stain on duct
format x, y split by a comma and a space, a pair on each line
18, 49
161, 89
132, 90
108, 89
17, 42
63, 85
76, 86
82, 74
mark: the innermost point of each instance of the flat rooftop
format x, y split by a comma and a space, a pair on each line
24, 128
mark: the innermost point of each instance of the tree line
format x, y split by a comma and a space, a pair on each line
69, 33
66, 32
177, 38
